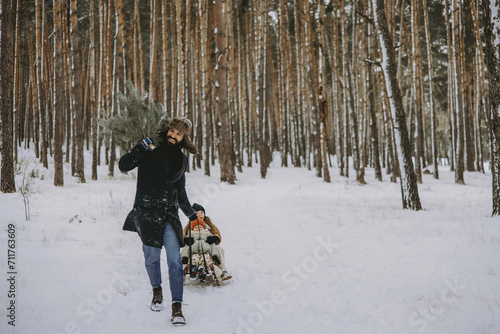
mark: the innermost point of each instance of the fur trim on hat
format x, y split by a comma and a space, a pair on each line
181, 124
188, 145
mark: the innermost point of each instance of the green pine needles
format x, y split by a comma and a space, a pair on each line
139, 116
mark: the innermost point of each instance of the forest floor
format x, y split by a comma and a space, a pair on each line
306, 256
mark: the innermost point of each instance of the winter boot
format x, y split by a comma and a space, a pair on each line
177, 317
157, 302
216, 259
202, 274
194, 270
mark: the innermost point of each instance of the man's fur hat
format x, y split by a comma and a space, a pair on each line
183, 125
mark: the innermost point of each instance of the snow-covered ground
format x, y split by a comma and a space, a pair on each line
305, 256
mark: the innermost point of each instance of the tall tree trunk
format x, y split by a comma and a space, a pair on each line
345, 80
480, 89
416, 91
77, 93
207, 80
31, 95
42, 81
7, 183
337, 50
409, 188
137, 50
353, 120
94, 90
468, 42
16, 86
59, 94
165, 55
430, 68
114, 55
458, 111
322, 101
450, 94
314, 93
181, 59
373, 117
227, 173
153, 49
67, 116
491, 23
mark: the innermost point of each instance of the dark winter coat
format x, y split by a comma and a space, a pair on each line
159, 195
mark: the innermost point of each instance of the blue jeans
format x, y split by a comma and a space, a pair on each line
175, 268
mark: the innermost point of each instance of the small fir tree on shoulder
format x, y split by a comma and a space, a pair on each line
139, 117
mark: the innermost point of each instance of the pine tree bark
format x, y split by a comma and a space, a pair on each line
42, 79
430, 68
468, 50
165, 55
59, 94
7, 183
313, 77
416, 91
227, 173
339, 88
409, 188
77, 93
153, 49
137, 50
491, 23
207, 81
180, 59
458, 105
16, 86
480, 90
32, 90
93, 89
371, 100
322, 101
68, 94
345, 103
450, 94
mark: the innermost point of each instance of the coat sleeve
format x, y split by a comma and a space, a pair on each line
182, 197
131, 159
186, 230
215, 231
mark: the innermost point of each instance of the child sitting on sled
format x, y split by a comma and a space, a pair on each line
200, 242
214, 240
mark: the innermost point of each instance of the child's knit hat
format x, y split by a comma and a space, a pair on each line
195, 223
197, 207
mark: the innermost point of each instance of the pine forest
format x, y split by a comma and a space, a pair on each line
403, 87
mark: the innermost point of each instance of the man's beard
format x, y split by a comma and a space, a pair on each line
170, 144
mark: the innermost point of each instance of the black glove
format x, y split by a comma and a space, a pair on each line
194, 216
188, 241
212, 239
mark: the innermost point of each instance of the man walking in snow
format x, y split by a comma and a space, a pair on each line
160, 193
